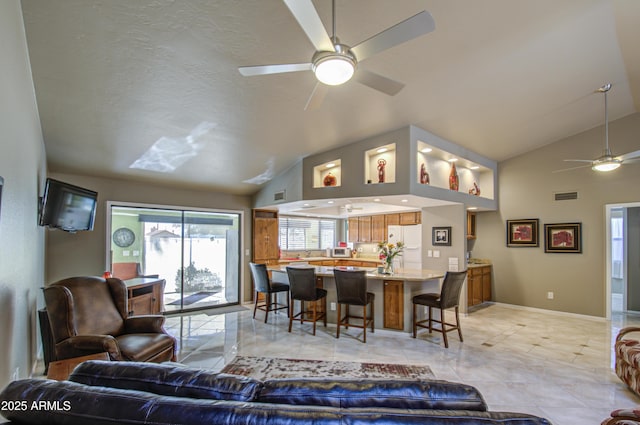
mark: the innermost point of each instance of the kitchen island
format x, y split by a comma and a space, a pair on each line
393, 292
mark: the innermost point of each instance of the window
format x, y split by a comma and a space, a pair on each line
306, 233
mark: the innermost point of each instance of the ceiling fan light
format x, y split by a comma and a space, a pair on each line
334, 70
606, 166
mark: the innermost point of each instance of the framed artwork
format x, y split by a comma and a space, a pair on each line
563, 237
523, 233
441, 236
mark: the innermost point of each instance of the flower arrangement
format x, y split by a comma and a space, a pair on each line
387, 252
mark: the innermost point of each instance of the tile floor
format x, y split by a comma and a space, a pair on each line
549, 364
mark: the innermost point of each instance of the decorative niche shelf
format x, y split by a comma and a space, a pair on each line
380, 164
328, 174
434, 167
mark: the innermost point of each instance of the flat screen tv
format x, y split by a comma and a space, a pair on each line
68, 207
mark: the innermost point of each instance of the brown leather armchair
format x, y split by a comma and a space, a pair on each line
88, 315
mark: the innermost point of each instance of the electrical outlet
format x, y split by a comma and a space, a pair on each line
429, 253
16, 375
333, 306
549, 295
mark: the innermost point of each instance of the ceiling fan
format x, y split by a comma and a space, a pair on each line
333, 62
606, 162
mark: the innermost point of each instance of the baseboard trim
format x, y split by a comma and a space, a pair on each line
554, 312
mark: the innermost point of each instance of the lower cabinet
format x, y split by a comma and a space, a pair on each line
393, 291
478, 285
145, 296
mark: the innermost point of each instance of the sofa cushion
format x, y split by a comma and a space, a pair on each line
166, 379
402, 394
73, 403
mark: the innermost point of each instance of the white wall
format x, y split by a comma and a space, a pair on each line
22, 164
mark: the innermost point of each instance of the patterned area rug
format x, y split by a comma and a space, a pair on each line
267, 367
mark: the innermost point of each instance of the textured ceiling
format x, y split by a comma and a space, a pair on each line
156, 81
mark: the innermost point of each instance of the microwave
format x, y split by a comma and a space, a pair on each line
341, 252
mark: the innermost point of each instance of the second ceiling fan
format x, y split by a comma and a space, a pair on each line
333, 62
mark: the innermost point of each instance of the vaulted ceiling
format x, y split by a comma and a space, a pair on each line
155, 83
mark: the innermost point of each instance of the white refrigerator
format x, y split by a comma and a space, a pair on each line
411, 236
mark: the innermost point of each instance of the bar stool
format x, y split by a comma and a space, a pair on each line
302, 283
449, 297
351, 288
264, 285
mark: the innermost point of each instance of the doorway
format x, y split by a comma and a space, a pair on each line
196, 252
623, 258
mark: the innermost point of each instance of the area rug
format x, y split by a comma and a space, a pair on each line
193, 298
267, 367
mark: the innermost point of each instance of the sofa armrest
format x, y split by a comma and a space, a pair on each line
623, 417
397, 394
624, 331
144, 324
90, 344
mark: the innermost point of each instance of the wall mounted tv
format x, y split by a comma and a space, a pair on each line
67, 207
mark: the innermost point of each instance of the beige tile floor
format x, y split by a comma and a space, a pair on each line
549, 364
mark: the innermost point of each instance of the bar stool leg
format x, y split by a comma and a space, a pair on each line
444, 330
364, 324
373, 317
315, 308
458, 325
339, 320
413, 320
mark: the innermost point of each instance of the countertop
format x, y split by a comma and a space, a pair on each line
303, 259
408, 275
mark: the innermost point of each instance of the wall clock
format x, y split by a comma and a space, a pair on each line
123, 237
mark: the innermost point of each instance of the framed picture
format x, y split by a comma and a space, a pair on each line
523, 233
441, 236
563, 237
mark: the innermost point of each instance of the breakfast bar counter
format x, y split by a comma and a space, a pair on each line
393, 292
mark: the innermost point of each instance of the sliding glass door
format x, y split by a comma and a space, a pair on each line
197, 252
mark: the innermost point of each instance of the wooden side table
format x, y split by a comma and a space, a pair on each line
61, 369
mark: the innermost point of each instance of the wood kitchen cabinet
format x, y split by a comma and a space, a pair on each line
265, 236
478, 285
353, 229
471, 225
393, 315
392, 219
409, 218
378, 228
364, 229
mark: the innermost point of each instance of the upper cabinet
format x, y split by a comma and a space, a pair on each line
409, 218
471, 225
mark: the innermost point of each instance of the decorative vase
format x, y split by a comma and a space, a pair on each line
388, 268
381, 165
424, 176
330, 180
475, 190
454, 182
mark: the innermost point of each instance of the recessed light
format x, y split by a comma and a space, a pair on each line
382, 150
452, 159
405, 200
305, 205
330, 202
426, 150
376, 200
331, 165
472, 208
474, 167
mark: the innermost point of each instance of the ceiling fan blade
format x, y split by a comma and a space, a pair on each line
308, 19
578, 160
630, 155
571, 169
411, 28
378, 82
250, 71
317, 96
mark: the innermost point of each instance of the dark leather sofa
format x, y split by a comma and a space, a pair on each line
101, 392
